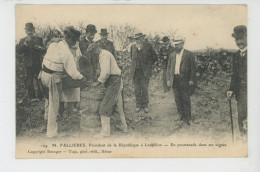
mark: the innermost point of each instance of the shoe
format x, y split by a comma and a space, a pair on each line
105, 131
187, 121
146, 110
123, 129
137, 109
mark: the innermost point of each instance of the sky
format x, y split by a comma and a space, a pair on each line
202, 25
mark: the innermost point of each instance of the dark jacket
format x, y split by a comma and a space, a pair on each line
239, 74
165, 52
83, 45
107, 45
32, 57
147, 57
187, 68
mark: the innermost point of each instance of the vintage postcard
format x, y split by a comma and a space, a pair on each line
131, 81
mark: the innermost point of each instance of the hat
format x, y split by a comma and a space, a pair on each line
91, 28
239, 31
72, 32
138, 35
165, 39
103, 32
178, 40
29, 26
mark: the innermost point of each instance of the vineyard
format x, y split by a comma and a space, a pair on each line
209, 104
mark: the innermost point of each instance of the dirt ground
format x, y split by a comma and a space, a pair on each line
210, 114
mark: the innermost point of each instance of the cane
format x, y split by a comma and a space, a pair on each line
231, 119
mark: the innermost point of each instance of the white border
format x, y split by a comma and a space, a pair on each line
7, 105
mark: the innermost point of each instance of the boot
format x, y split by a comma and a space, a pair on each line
105, 131
123, 125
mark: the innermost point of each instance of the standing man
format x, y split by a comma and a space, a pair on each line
238, 85
164, 54
110, 78
32, 49
105, 44
58, 59
143, 57
86, 41
181, 75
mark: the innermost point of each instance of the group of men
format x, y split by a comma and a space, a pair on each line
178, 64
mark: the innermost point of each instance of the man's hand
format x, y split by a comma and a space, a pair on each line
94, 84
84, 79
168, 83
230, 94
191, 83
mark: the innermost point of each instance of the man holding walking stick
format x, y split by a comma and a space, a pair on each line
238, 85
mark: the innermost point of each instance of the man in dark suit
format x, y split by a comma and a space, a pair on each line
84, 44
31, 48
181, 74
238, 85
143, 57
164, 54
105, 44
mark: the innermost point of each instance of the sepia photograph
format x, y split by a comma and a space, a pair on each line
131, 81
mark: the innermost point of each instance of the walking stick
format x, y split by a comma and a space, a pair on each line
231, 119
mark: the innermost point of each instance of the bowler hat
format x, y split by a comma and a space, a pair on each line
239, 31
165, 39
91, 28
29, 26
72, 32
138, 35
103, 32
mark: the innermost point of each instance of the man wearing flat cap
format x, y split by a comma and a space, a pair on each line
105, 44
59, 59
238, 85
181, 75
164, 54
143, 57
31, 48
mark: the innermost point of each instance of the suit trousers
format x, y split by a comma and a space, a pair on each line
31, 75
141, 84
242, 112
166, 88
182, 97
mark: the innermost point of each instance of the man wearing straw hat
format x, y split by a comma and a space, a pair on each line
105, 44
143, 57
238, 85
181, 74
32, 49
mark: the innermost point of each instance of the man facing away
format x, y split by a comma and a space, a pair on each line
105, 44
164, 54
110, 78
181, 75
238, 85
32, 49
58, 59
143, 57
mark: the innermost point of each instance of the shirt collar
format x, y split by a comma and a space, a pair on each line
243, 50
181, 52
